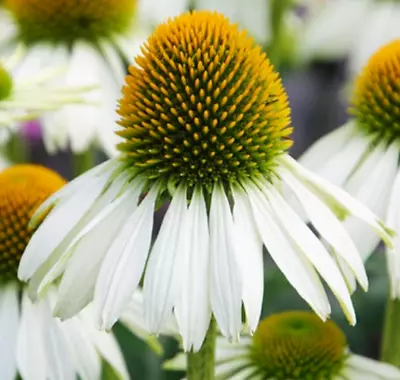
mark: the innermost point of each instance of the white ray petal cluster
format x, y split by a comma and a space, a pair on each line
369, 172
207, 256
87, 79
34, 94
39, 347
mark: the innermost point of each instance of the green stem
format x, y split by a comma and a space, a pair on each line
278, 11
82, 162
390, 350
17, 149
201, 365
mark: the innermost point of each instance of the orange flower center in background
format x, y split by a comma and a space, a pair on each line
22, 189
65, 21
376, 98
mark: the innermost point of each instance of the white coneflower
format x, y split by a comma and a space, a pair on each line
293, 345
33, 343
93, 39
206, 123
26, 97
362, 156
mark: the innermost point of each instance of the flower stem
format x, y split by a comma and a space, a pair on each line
82, 162
17, 149
390, 350
277, 18
201, 365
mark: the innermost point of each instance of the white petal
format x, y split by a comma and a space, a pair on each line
294, 265
226, 280
393, 255
339, 167
155, 12
250, 257
322, 37
328, 226
77, 286
326, 147
105, 343
133, 319
82, 350
59, 361
192, 308
382, 20
372, 187
312, 248
371, 367
9, 321
124, 263
162, 282
32, 364
57, 226
337, 199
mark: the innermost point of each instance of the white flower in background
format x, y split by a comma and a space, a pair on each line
94, 39
362, 156
292, 345
353, 28
26, 97
33, 343
205, 123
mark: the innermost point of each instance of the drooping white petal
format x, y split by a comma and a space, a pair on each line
105, 343
77, 286
372, 187
226, 279
133, 319
162, 282
83, 352
59, 224
58, 260
9, 322
337, 199
368, 367
69, 190
340, 165
31, 359
328, 226
313, 249
393, 255
192, 307
326, 147
293, 264
59, 362
250, 258
124, 263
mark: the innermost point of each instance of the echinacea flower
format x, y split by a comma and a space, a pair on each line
362, 156
293, 345
93, 39
206, 124
33, 343
26, 97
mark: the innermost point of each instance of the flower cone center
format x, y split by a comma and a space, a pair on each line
298, 345
203, 104
65, 21
376, 97
22, 189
